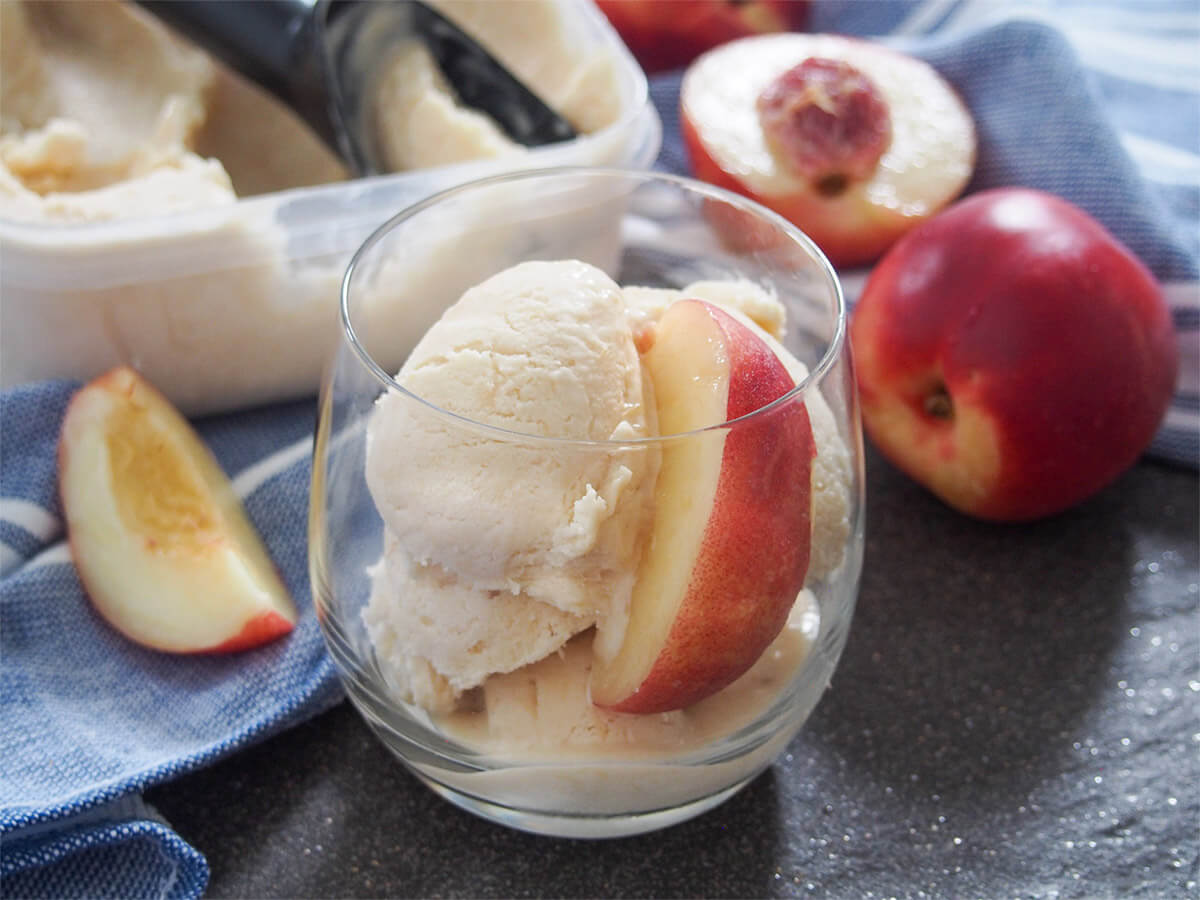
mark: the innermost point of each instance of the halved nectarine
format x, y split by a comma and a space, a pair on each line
852, 141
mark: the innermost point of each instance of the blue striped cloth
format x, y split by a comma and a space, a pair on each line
1097, 102
87, 719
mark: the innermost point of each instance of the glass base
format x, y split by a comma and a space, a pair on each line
564, 822
579, 826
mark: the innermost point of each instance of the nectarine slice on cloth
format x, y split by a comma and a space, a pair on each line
731, 537
159, 538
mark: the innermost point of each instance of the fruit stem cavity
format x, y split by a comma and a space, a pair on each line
832, 185
938, 403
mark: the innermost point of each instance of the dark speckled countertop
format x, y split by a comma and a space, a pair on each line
1017, 714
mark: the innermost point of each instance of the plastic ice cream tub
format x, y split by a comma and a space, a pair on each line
236, 305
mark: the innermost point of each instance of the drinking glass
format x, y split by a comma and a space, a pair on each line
613, 773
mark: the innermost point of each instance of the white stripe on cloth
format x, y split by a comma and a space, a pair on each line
39, 522
255, 475
1182, 294
9, 559
1100, 59
52, 555
31, 518
1186, 295
925, 17
1162, 61
1122, 46
1114, 21
1162, 163
1180, 420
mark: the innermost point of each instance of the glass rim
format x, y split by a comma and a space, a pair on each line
832, 352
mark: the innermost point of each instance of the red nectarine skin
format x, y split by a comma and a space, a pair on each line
750, 549
264, 627
267, 626
827, 122
1029, 313
668, 34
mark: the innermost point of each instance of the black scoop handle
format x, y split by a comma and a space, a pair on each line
257, 39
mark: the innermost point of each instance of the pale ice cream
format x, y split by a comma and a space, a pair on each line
160, 211
540, 349
501, 554
106, 114
448, 636
422, 124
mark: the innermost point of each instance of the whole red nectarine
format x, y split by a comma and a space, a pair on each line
1012, 355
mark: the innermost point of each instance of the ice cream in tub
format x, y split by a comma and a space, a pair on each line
157, 210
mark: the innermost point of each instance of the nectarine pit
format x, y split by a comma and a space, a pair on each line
827, 122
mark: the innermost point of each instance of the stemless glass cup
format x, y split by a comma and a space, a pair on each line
643, 229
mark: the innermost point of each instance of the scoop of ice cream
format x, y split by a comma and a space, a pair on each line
543, 350
536, 41
421, 122
647, 304
458, 635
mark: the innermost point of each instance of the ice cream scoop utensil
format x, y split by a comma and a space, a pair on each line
324, 58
